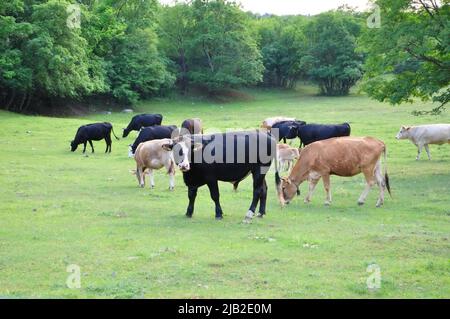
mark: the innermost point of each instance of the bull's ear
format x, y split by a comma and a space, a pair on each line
198, 147
408, 128
167, 146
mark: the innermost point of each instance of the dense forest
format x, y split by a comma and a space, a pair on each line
55, 52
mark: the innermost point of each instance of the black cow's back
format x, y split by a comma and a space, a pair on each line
142, 120
153, 133
311, 133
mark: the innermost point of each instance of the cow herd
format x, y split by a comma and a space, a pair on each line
205, 159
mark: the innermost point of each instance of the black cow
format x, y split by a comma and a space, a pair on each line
152, 133
227, 157
142, 120
311, 133
286, 129
93, 132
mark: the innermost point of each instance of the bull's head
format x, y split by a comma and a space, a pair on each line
182, 147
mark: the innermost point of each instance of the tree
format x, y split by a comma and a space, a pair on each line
332, 61
409, 55
15, 76
223, 51
175, 29
283, 44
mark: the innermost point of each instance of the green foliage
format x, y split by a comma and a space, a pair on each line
409, 57
59, 55
283, 45
332, 61
211, 44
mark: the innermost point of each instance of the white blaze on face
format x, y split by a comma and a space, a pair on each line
184, 164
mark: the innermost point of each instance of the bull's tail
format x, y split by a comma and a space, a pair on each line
386, 176
112, 130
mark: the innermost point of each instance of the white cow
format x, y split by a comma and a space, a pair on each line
423, 135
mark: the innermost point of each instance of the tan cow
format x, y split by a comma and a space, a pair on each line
269, 122
422, 135
342, 156
154, 155
286, 156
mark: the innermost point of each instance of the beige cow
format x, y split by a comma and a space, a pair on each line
269, 122
154, 155
286, 156
423, 135
342, 156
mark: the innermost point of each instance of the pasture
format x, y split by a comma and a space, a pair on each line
59, 208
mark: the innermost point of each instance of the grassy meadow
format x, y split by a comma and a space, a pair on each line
59, 208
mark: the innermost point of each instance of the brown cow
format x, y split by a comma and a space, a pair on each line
152, 155
342, 156
193, 126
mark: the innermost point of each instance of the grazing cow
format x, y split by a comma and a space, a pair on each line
286, 155
227, 157
286, 129
342, 156
93, 132
193, 126
423, 135
154, 155
311, 133
152, 133
142, 120
269, 122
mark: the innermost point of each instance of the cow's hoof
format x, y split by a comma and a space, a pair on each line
379, 205
171, 189
188, 216
219, 217
327, 203
360, 203
260, 215
247, 220
141, 186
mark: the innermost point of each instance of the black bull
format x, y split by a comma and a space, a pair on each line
227, 157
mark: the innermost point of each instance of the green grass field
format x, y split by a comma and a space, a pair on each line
59, 208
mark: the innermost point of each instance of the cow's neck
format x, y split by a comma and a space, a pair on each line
298, 174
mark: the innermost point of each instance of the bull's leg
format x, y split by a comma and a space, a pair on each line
171, 181
381, 183
428, 151
215, 195
369, 175
192, 194
84, 147
326, 185
108, 143
258, 181
419, 151
313, 180
263, 199
140, 176
152, 178
92, 146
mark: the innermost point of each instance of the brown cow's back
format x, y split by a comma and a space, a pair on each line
342, 156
